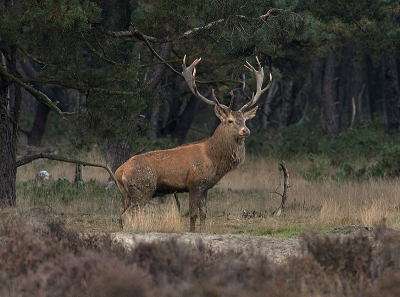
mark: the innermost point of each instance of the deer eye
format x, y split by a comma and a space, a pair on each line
230, 121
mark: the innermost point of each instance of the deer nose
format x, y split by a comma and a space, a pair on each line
245, 132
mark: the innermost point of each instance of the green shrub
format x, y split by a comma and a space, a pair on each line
302, 139
316, 170
388, 163
365, 142
164, 143
298, 139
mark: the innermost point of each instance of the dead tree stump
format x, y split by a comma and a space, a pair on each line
79, 175
284, 196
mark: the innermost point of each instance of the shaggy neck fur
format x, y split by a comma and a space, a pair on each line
226, 150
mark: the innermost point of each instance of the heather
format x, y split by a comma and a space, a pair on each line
50, 259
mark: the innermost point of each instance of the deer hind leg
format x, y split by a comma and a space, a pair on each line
138, 191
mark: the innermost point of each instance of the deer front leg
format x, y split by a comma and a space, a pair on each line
194, 203
193, 210
203, 209
197, 201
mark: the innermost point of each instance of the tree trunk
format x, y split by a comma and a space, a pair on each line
329, 97
119, 153
354, 88
317, 76
181, 112
153, 84
343, 85
39, 125
185, 120
287, 102
17, 103
374, 87
35, 135
7, 158
392, 95
267, 110
78, 174
300, 101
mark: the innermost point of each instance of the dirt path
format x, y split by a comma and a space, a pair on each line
276, 248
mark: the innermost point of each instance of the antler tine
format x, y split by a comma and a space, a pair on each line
259, 79
225, 108
189, 74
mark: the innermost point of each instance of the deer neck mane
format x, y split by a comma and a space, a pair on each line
227, 152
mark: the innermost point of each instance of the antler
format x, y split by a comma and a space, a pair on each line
189, 73
259, 78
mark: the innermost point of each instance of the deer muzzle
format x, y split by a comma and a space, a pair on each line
245, 132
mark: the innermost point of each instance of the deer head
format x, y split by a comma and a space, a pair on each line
233, 122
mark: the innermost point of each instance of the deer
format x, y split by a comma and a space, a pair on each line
194, 167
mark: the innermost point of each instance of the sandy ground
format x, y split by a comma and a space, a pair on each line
277, 249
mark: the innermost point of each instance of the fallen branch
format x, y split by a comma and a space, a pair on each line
31, 158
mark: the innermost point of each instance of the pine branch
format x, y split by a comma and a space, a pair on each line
36, 93
101, 56
352, 17
31, 57
180, 74
139, 35
77, 87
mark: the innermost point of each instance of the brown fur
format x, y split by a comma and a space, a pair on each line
193, 168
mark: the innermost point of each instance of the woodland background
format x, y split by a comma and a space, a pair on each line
106, 74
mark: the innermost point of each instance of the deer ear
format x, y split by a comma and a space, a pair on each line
250, 114
219, 112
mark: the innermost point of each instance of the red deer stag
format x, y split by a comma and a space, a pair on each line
194, 167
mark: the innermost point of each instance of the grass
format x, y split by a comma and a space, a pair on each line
311, 206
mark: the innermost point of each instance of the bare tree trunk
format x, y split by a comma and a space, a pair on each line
267, 105
119, 153
185, 120
392, 94
300, 101
354, 87
374, 88
287, 102
78, 174
317, 76
329, 97
17, 104
39, 125
153, 84
181, 113
343, 85
35, 135
8, 169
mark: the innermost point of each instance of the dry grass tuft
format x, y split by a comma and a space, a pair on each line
156, 218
